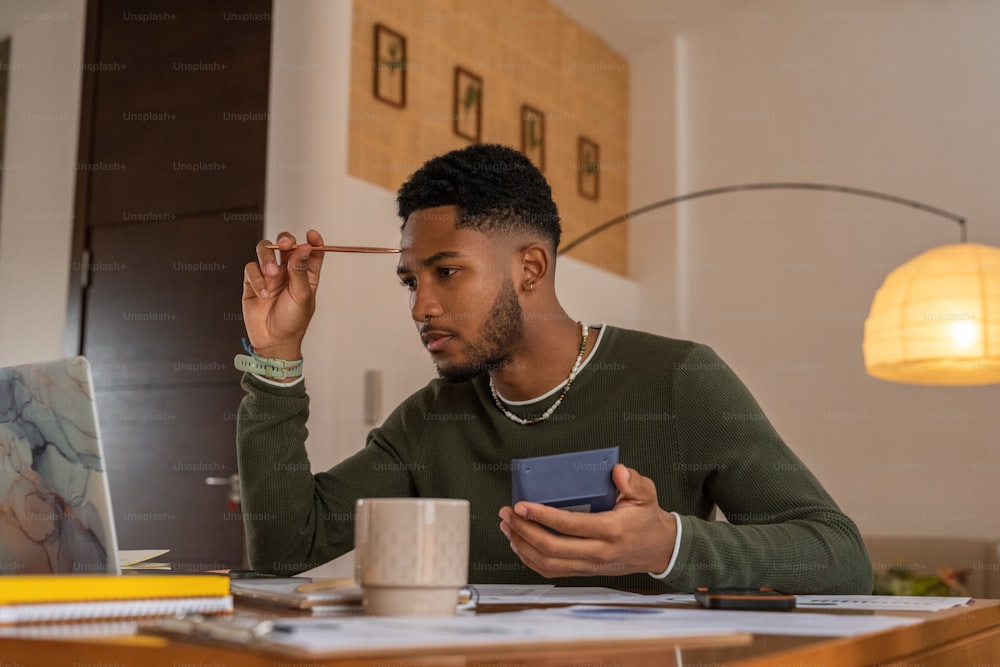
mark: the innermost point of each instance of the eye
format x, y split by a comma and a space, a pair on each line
408, 283
446, 271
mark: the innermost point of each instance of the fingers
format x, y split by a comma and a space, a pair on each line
621, 475
304, 267
580, 524
555, 555
635, 536
253, 282
265, 255
632, 486
267, 277
549, 565
314, 238
574, 529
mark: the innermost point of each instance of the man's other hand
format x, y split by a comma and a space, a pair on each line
636, 535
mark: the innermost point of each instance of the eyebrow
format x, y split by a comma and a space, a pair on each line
430, 261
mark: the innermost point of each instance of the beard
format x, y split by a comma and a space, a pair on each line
498, 335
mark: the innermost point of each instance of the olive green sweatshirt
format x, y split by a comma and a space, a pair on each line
679, 415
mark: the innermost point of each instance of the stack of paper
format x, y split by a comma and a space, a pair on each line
134, 560
574, 626
547, 594
342, 596
372, 636
291, 592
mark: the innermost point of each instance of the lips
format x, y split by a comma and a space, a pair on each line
435, 340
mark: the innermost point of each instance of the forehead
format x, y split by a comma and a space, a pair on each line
432, 231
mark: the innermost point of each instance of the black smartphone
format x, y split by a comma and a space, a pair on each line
744, 598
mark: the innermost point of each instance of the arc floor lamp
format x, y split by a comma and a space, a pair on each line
934, 321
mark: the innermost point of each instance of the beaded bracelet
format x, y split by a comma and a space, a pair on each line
269, 367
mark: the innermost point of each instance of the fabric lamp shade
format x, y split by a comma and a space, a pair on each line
936, 319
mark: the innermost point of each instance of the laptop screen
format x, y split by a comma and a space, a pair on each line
55, 508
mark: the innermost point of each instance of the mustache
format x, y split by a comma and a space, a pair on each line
431, 329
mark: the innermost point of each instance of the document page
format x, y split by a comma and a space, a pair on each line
548, 594
880, 602
575, 625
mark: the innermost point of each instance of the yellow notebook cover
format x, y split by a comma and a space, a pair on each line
47, 588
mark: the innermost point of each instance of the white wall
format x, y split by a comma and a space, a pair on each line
39, 175
897, 97
653, 260
362, 319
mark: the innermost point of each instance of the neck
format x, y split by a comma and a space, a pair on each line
544, 358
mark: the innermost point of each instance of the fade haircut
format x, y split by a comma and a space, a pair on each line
496, 189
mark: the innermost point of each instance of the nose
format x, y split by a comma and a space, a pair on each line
424, 305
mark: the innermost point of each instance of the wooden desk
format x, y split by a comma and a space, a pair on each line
962, 636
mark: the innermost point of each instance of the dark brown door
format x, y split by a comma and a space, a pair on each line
170, 201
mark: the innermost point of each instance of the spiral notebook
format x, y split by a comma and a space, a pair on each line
80, 597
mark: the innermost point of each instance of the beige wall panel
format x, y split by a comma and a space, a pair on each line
526, 52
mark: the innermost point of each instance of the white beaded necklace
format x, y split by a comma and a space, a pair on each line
552, 408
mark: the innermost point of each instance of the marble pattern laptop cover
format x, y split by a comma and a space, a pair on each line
55, 508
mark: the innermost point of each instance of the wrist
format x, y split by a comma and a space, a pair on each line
286, 352
284, 380
267, 366
665, 550
670, 550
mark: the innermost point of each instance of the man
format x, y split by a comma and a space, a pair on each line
479, 239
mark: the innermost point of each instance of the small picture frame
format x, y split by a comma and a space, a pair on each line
588, 165
389, 65
467, 106
533, 135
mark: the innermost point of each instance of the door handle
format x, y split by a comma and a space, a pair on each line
233, 482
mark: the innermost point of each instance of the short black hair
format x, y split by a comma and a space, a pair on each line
495, 188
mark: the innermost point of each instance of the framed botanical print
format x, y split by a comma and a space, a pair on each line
467, 105
588, 160
533, 135
389, 65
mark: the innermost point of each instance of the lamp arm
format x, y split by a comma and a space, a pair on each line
763, 186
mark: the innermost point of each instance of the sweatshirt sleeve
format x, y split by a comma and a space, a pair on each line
783, 530
295, 520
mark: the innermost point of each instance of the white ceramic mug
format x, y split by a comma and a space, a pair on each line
411, 555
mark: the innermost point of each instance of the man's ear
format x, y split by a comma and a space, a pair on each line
536, 266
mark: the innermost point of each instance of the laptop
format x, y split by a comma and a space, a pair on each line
55, 508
